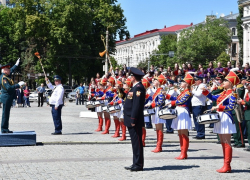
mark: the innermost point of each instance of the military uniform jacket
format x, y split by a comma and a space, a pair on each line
134, 105
246, 102
240, 93
8, 87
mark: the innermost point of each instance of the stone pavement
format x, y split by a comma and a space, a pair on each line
82, 153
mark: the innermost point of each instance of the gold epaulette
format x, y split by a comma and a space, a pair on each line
220, 87
239, 85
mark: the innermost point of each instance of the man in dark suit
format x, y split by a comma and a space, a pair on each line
134, 118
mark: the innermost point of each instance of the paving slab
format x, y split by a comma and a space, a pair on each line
82, 153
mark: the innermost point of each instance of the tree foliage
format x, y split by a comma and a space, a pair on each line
204, 42
66, 33
168, 43
223, 58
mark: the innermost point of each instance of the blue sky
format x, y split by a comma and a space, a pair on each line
145, 15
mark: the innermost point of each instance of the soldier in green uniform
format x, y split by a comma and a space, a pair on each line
8, 94
238, 136
246, 102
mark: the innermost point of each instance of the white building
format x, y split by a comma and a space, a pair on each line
7, 3
139, 48
234, 48
246, 29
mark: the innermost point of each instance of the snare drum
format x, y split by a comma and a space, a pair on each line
114, 109
89, 104
208, 118
105, 109
167, 113
148, 112
98, 103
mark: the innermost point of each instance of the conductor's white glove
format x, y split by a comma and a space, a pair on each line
17, 62
21, 83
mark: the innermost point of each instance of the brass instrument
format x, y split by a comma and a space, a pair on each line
238, 109
121, 94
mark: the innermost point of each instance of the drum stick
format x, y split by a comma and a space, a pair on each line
222, 101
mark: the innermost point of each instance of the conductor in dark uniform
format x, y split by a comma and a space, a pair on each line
8, 94
134, 118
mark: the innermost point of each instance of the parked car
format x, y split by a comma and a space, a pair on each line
72, 95
34, 95
67, 89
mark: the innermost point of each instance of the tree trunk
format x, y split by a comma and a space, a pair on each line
70, 73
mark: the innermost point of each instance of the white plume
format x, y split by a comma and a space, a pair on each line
234, 69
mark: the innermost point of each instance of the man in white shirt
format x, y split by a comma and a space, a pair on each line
198, 106
56, 102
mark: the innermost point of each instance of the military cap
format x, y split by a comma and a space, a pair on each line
220, 76
170, 81
196, 78
135, 72
5, 66
57, 77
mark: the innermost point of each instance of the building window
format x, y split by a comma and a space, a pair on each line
234, 32
234, 50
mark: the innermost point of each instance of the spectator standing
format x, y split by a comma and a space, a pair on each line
97, 79
40, 91
210, 68
190, 68
26, 96
19, 94
80, 89
246, 68
124, 70
219, 67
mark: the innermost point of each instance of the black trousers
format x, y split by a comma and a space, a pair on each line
40, 99
136, 140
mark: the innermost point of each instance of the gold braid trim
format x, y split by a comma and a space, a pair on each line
9, 79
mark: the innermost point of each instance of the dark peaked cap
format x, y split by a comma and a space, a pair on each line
136, 72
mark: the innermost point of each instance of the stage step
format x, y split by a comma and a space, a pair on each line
18, 138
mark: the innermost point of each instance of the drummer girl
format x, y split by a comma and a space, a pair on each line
116, 115
106, 97
100, 93
119, 115
148, 99
183, 122
225, 127
158, 102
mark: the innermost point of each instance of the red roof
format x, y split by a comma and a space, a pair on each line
166, 29
174, 28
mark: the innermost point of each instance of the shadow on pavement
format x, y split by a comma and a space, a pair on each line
170, 168
178, 150
206, 157
153, 145
241, 171
76, 133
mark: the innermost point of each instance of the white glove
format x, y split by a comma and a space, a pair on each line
17, 62
21, 83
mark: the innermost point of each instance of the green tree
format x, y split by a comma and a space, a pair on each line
223, 58
66, 33
204, 42
168, 43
